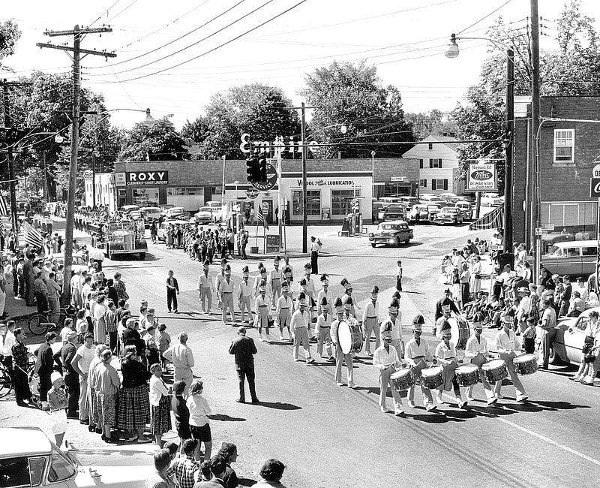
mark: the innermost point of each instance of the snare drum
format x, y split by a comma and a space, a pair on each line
460, 332
350, 337
403, 379
526, 364
495, 370
432, 377
467, 375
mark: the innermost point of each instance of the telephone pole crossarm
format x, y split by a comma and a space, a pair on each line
49, 45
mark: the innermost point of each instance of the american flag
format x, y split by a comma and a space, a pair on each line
3, 206
261, 218
32, 235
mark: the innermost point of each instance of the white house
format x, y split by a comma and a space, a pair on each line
438, 165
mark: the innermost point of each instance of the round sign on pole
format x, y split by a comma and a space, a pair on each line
252, 193
271, 180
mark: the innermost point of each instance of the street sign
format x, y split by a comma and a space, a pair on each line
596, 171
271, 180
595, 186
482, 177
252, 193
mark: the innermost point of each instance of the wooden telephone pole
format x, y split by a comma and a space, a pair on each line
77, 33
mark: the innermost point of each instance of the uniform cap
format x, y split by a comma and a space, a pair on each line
375, 290
55, 376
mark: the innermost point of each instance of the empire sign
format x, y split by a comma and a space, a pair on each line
146, 178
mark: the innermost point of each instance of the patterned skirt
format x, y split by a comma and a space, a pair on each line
93, 406
107, 409
161, 416
134, 408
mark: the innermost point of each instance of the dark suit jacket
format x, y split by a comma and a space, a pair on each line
244, 349
445, 301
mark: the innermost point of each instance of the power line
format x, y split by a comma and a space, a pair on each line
485, 17
104, 12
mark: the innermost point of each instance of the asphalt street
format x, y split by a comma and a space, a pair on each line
334, 436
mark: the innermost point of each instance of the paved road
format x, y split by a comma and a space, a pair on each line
334, 436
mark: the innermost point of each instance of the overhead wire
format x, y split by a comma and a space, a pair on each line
485, 17
104, 12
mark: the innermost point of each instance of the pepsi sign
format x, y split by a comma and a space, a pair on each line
482, 176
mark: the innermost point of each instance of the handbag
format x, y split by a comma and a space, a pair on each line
588, 342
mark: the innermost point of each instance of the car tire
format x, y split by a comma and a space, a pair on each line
555, 358
372, 244
142, 256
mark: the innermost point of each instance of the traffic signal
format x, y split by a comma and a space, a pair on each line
262, 165
252, 169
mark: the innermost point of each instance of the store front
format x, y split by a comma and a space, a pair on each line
249, 201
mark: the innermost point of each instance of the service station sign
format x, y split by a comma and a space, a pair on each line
146, 178
482, 176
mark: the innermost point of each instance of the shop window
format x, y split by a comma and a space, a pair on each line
564, 146
341, 201
187, 190
145, 197
435, 162
313, 202
439, 184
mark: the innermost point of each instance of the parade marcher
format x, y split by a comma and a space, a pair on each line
44, 366
507, 345
81, 364
172, 292
283, 311
19, 372
262, 312
244, 349
348, 293
371, 321
70, 376
442, 323
393, 325
417, 355
299, 324
447, 300
476, 352
545, 333
226, 288
182, 357
315, 248
399, 274
325, 292
205, 285
445, 354
199, 421
134, 403
160, 404
245, 296
275, 280
387, 361
106, 386
323, 330
340, 356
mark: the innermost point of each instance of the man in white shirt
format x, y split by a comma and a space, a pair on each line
76, 286
371, 321
392, 324
226, 293
182, 358
300, 321
205, 288
348, 287
275, 279
324, 292
545, 332
476, 352
323, 329
387, 361
445, 354
245, 295
262, 313
340, 356
417, 355
524, 307
506, 344
7, 341
283, 312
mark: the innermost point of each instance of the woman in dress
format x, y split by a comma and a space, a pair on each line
199, 421
134, 404
99, 320
476, 275
160, 401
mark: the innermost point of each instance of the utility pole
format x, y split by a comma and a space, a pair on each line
77, 32
46, 193
510, 130
535, 124
93, 180
304, 179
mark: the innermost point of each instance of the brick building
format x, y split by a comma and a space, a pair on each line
568, 150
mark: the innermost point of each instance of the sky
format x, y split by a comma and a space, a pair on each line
236, 42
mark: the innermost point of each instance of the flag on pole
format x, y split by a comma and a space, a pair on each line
3, 206
32, 235
261, 218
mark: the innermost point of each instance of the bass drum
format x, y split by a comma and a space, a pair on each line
350, 337
460, 332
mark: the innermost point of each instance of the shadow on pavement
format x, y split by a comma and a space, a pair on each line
279, 405
246, 482
226, 418
459, 415
438, 417
372, 389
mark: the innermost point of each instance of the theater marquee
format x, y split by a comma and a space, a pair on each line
146, 178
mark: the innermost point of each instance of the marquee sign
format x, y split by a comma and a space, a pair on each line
146, 178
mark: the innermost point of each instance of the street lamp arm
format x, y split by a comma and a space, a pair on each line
453, 50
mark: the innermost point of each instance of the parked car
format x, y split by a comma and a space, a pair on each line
409, 201
465, 208
206, 215
393, 211
491, 200
175, 212
433, 209
392, 233
418, 213
450, 197
429, 197
31, 459
574, 258
448, 215
129, 208
569, 339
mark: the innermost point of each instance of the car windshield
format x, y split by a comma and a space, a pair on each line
205, 209
390, 227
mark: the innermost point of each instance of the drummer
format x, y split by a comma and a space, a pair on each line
476, 352
370, 319
507, 344
442, 323
445, 354
348, 295
300, 321
386, 360
417, 354
392, 324
340, 356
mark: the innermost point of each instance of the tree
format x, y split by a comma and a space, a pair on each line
9, 35
153, 141
256, 108
433, 122
351, 95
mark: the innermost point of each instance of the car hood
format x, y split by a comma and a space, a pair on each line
115, 476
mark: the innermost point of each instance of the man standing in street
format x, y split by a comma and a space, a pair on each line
67, 353
172, 292
81, 364
205, 288
226, 288
243, 348
44, 366
245, 296
182, 357
546, 332
387, 361
315, 247
20, 359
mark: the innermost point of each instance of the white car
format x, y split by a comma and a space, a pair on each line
491, 200
174, 212
569, 339
428, 197
29, 458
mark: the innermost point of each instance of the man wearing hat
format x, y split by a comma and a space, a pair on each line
348, 287
220, 277
507, 344
44, 366
417, 355
340, 356
283, 311
311, 291
546, 332
392, 324
244, 349
387, 361
71, 377
245, 296
476, 352
299, 324
20, 357
262, 305
226, 293
205, 285
315, 247
370, 321
275, 279
565, 296
524, 308
323, 329
447, 300
324, 292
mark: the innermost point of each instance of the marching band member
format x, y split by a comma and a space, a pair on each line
348, 287
476, 352
340, 357
417, 355
283, 312
300, 321
387, 361
446, 357
245, 295
288, 278
262, 276
324, 292
311, 292
370, 321
220, 277
506, 344
442, 323
392, 324
275, 279
323, 330
288, 268
226, 293
205, 288
262, 311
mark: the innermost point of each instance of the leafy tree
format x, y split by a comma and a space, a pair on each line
9, 35
432, 122
153, 141
351, 95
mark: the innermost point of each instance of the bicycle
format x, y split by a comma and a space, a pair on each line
40, 323
5, 381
